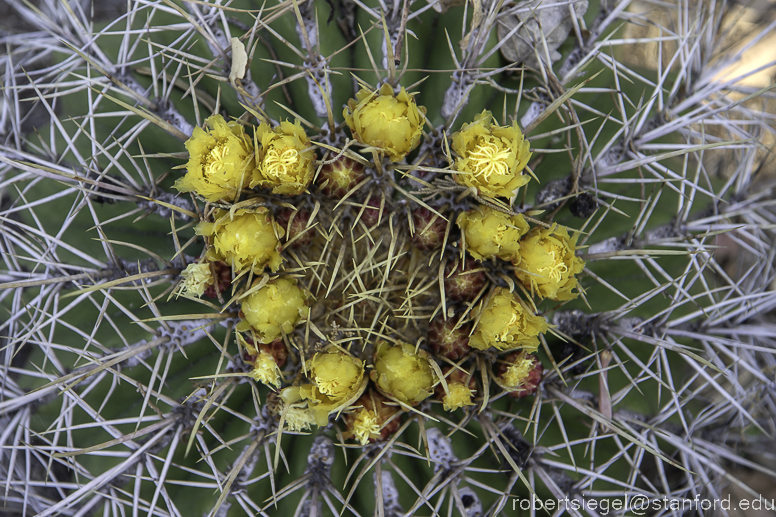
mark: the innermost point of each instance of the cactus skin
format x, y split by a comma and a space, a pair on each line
119, 391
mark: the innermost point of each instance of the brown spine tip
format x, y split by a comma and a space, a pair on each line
429, 229
448, 341
339, 177
462, 283
294, 223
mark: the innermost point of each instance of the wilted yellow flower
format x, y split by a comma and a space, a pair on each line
248, 239
518, 371
265, 370
286, 157
373, 420
506, 324
220, 160
459, 395
549, 263
403, 373
490, 233
366, 426
390, 123
491, 157
264, 361
196, 278
274, 310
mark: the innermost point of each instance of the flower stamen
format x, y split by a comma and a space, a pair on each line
327, 386
487, 159
555, 270
216, 159
278, 162
504, 336
366, 425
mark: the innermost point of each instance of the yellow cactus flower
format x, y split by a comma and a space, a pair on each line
274, 310
221, 160
549, 263
336, 374
403, 373
366, 426
504, 323
390, 123
490, 233
491, 157
247, 239
196, 279
285, 163
459, 395
338, 379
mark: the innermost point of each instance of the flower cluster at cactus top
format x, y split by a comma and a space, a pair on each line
221, 160
392, 124
491, 157
369, 389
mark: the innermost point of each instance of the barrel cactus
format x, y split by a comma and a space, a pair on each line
381, 258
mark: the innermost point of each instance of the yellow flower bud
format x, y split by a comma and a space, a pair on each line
403, 373
274, 310
286, 158
248, 239
504, 323
220, 160
196, 278
490, 233
549, 263
460, 395
390, 123
491, 157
